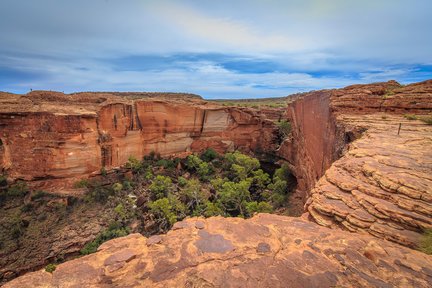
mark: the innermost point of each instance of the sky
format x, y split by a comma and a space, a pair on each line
217, 49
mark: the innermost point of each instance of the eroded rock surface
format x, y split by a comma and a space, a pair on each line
68, 137
265, 251
383, 184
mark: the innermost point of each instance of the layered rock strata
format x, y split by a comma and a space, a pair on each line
68, 137
382, 185
265, 251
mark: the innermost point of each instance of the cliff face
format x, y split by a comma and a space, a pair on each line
69, 136
380, 186
264, 251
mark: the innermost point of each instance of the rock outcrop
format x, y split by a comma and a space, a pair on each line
382, 185
68, 137
264, 251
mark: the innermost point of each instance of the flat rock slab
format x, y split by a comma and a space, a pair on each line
264, 251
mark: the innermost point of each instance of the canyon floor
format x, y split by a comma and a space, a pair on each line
363, 163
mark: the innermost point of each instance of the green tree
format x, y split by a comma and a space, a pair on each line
117, 187
134, 164
209, 155
167, 211
284, 128
160, 187
258, 207
241, 165
212, 209
260, 179
234, 196
192, 195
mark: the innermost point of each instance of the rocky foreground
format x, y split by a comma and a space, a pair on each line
362, 165
264, 251
383, 184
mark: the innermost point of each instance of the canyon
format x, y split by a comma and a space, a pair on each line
363, 174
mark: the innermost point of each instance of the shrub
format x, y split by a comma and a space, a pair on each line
167, 211
193, 162
426, 119
410, 117
83, 183
39, 194
192, 195
148, 174
241, 165
117, 187
209, 155
284, 128
212, 209
426, 242
115, 230
166, 163
260, 179
182, 181
98, 193
255, 207
50, 268
134, 164
160, 187
18, 189
127, 185
233, 197
103, 171
283, 173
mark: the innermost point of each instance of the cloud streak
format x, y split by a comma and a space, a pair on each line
254, 49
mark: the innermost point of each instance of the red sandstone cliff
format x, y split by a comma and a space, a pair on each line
71, 136
382, 186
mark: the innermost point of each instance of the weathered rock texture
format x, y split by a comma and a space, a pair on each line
265, 251
50, 135
382, 185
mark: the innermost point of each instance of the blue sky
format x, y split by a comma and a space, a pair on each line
218, 49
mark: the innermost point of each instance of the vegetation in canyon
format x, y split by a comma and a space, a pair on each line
154, 194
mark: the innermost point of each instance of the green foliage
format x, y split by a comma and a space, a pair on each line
83, 183
204, 170
194, 163
260, 179
258, 207
148, 174
212, 209
241, 165
234, 196
18, 189
97, 193
39, 194
182, 181
284, 128
117, 187
127, 185
166, 163
167, 211
426, 242
103, 171
426, 119
50, 268
410, 117
115, 230
192, 194
134, 164
283, 173
279, 186
160, 187
209, 155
